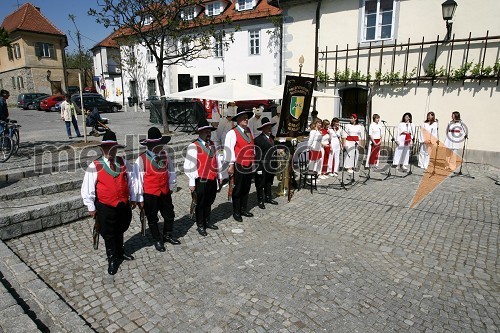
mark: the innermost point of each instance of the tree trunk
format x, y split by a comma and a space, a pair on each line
159, 76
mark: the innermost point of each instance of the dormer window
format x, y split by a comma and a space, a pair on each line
148, 20
188, 13
245, 4
213, 9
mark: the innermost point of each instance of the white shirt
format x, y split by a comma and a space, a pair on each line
191, 162
253, 124
276, 120
88, 190
229, 143
335, 136
432, 130
375, 130
224, 127
455, 135
68, 109
139, 175
314, 142
353, 130
405, 128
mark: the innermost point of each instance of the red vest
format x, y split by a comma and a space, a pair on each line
111, 187
244, 150
155, 176
207, 166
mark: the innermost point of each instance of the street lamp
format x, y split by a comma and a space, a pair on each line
448, 7
301, 63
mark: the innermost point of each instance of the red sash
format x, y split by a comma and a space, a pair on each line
374, 152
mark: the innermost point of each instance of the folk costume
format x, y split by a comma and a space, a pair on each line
325, 151
352, 135
428, 140
404, 140
335, 148
201, 167
455, 136
225, 125
155, 181
265, 151
315, 152
375, 133
108, 192
240, 152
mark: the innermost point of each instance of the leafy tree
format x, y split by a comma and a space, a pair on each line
73, 60
4, 38
161, 27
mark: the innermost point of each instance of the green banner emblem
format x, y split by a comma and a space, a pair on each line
296, 106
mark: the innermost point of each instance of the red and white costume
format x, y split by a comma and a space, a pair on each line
325, 150
428, 132
404, 138
315, 151
353, 135
335, 148
455, 136
375, 133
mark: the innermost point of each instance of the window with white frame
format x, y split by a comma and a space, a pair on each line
244, 4
184, 47
149, 56
213, 9
254, 37
17, 50
218, 47
255, 79
45, 50
188, 13
20, 82
378, 20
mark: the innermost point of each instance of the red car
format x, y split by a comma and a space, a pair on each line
249, 105
89, 90
50, 102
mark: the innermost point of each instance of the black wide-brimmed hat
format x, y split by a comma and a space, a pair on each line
109, 140
155, 138
247, 112
203, 125
265, 122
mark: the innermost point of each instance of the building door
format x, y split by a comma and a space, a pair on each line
185, 82
151, 88
354, 100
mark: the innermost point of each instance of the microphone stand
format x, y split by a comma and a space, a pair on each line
393, 140
461, 164
356, 143
344, 152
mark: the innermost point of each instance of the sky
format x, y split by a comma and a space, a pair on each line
58, 11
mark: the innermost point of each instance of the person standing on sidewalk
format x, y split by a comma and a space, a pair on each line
68, 114
201, 168
239, 152
108, 192
155, 181
265, 157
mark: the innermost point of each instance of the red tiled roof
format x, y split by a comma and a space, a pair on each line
109, 41
29, 18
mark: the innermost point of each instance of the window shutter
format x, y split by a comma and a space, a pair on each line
52, 51
9, 51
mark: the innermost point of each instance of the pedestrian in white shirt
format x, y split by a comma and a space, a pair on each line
68, 114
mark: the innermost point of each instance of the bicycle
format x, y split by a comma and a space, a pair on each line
9, 139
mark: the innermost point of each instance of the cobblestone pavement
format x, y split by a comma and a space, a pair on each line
335, 261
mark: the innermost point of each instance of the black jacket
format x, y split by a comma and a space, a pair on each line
265, 152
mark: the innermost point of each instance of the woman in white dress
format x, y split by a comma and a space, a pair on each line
428, 138
314, 145
325, 149
404, 141
375, 136
456, 133
352, 136
335, 147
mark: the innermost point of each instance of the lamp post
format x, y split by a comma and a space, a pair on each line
301, 63
448, 8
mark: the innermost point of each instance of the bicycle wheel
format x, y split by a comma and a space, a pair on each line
6, 148
15, 140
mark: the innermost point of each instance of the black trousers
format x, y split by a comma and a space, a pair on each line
242, 184
159, 203
263, 184
113, 222
206, 190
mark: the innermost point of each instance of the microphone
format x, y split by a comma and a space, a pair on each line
383, 121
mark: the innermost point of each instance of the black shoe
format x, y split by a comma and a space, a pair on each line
237, 217
201, 231
159, 246
212, 226
246, 214
112, 266
271, 201
171, 240
261, 205
126, 256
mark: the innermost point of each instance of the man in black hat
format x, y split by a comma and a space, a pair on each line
155, 180
239, 152
266, 163
108, 192
201, 168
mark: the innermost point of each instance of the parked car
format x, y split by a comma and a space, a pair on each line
249, 105
89, 90
73, 90
149, 100
56, 108
25, 100
91, 101
51, 101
